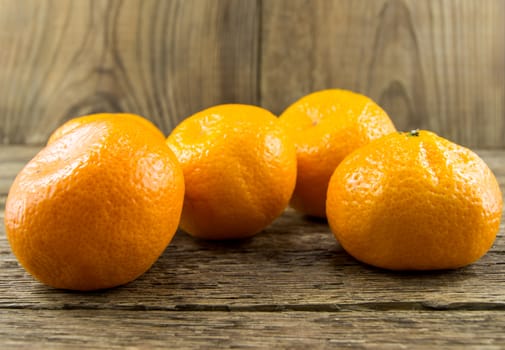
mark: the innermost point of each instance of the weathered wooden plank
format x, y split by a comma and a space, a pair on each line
296, 264
266, 330
432, 64
292, 266
161, 59
289, 287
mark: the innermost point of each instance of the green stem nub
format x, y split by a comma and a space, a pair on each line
414, 132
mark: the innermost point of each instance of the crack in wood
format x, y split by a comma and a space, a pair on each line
367, 306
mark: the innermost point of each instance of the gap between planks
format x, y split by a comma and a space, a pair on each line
329, 308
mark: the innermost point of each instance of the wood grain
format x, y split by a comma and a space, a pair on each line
295, 264
432, 64
262, 330
291, 286
162, 59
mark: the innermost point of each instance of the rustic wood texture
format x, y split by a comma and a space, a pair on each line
291, 286
162, 59
431, 64
262, 330
437, 64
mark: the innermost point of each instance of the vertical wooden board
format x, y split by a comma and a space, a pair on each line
48, 53
177, 57
437, 64
162, 59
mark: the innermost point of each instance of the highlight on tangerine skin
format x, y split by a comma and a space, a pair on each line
414, 201
239, 167
74, 123
326, 126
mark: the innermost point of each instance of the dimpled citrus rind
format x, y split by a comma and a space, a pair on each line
409, 202
326, 126
240, 170
96, 207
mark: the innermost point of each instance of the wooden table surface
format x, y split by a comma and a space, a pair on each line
291, 286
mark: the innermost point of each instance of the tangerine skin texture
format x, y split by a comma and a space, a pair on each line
409, 202
96, 207
328, 125
239, 167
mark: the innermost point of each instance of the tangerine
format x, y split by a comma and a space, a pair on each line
239, 168
326, 126
414, 201
97, 206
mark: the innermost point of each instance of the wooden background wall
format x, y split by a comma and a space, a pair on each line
437, 64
